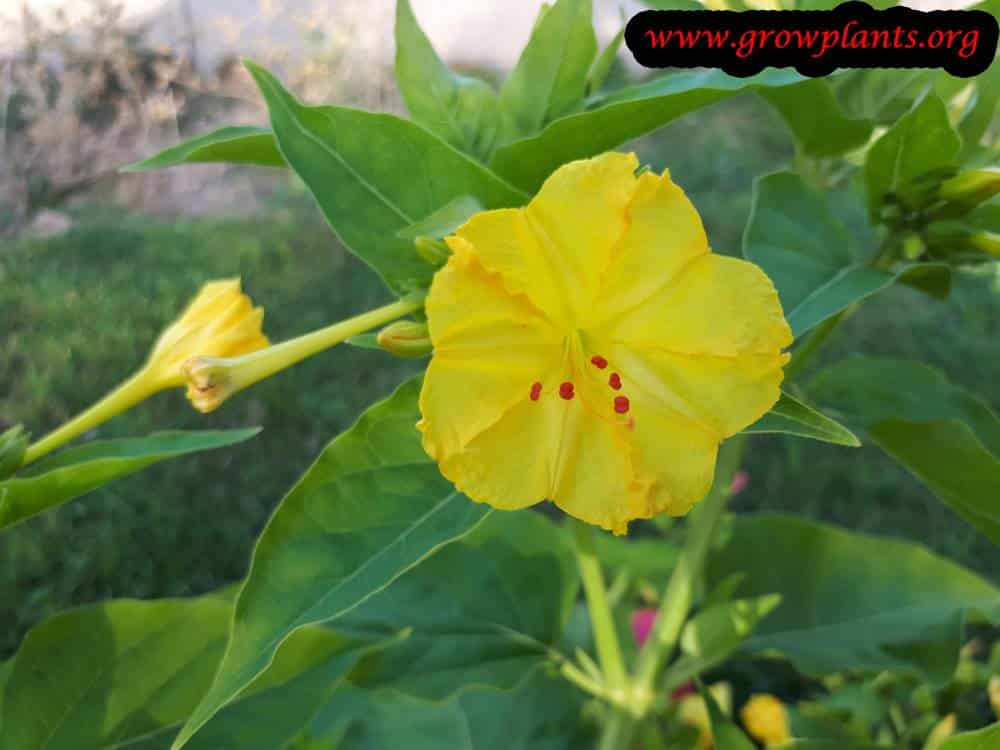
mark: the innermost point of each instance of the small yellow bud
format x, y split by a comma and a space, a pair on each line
994, 691
766, 720
406, 338
220, 321
941, 732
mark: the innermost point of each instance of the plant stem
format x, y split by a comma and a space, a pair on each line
675, 604
605, 634
125, 396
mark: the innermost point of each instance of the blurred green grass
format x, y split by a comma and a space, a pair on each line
79, 312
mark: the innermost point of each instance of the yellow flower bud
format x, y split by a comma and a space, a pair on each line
994, 691
221, 321
406, 338
766, 720
941, 732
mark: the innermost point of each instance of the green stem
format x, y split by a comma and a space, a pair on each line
125, 396
675, 604
605, 634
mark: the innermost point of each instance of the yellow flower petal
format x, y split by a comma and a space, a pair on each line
766, 720
489, 348
589, 349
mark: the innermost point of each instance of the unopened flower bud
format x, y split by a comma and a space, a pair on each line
221, 321
965, 191
941, 732
432, 250
13, 444
766, 719
406, 338
209, 382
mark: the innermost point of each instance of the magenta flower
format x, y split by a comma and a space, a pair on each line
642, 623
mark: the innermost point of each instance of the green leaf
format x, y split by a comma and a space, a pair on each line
463, 111
550, 78
540, 713
373, 174
852, 601
919, 142
793, 417
234, 145
987, 738
809, 253
125, 674
621, 117
76, 471
445, 220
725, 734
489, 626
816, 119
945, 436
371, 507
713, 634
828, 745
605, 61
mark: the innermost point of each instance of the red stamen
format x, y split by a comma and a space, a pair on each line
621, 404
536, 390
615, 381
599, 362
566, 390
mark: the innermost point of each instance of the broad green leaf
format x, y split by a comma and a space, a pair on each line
550, 78
488, 626
809, 253
793, 417
125, 674
620, 117
987, 738
99, 675
374, 174
713, 634
725, 734
463, 111
828, 745
852, 601
919, 142
76, 471
445, 220
371, 507
816, 119
945, 436
540, 713
233, 145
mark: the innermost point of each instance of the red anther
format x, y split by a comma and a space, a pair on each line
615, 381
599, 362
536, 390
621, 404
566, 390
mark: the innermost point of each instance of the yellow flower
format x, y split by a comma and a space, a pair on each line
220, 321
591, 350
766, 720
